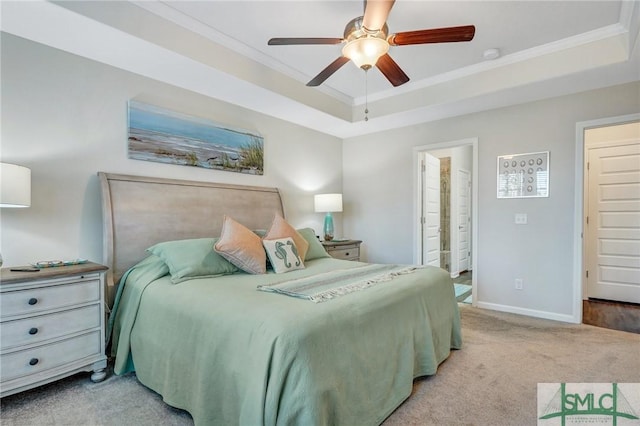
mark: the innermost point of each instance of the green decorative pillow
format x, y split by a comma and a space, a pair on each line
283, 255
242, 247
194, 258
316, 249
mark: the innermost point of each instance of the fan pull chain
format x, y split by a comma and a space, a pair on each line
366, 95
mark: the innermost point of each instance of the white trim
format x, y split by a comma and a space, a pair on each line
578, 221
178, 17
603, 33
170, 13
48, 23
417, 243
56, 26
524, 311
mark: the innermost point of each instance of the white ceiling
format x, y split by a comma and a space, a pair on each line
510, 26
548, 48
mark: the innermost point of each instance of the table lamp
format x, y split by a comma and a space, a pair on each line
328, 203
15, 187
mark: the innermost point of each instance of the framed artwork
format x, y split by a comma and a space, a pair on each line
523, 175
164, 136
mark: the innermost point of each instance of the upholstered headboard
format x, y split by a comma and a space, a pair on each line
138, 212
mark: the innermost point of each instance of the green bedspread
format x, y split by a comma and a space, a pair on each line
230, 354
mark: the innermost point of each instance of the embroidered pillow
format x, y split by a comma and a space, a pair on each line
193, 258
281, 229
242, 247
283, 255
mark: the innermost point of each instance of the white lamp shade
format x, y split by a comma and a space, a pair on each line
325, 203
15, 186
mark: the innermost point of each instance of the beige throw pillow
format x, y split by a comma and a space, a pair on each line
281, 229
242, 247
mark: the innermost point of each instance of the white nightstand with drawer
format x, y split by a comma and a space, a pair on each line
51, 325
344, 249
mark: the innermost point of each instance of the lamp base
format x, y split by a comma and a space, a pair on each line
328, 227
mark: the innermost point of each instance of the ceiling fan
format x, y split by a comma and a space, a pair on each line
367, 42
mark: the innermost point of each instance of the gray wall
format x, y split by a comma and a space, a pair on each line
379, 178
66, 118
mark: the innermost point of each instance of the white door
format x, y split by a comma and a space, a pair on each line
431, 210
464, 220
613, 225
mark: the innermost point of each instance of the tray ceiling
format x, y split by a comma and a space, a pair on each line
219, 48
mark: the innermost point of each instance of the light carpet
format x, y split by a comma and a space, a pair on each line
492, 380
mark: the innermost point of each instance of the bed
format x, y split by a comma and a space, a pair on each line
227, 352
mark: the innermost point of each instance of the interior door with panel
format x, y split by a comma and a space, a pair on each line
431, 210
613, 222
464, 220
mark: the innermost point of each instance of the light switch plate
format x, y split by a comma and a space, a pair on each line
521, 218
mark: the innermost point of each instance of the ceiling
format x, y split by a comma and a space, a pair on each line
219, 48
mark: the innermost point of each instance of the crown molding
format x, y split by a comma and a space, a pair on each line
566, 44
171, 14
58, 27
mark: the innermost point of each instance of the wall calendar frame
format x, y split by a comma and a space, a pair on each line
523, 175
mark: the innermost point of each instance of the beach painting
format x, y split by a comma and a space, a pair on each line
161, 135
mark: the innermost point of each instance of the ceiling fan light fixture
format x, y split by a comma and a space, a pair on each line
367, 46
365, 51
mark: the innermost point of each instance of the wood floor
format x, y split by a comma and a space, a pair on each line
612, 315
464, 278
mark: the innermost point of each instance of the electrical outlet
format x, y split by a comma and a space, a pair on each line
519, 284
521, 219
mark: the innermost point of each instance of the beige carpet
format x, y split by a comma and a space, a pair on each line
491, 381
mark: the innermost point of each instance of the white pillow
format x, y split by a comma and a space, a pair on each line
283, 255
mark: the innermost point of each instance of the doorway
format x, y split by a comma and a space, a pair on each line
446, 177
608, 287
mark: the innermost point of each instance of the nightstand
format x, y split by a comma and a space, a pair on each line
52, 325
345, 250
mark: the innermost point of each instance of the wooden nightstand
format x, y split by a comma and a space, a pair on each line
52, 325
345, 250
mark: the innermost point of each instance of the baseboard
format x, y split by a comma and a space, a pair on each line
528, 312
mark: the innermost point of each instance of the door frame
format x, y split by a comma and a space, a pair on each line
579, 224
417, 204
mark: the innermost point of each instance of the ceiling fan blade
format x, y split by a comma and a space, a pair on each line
436, 35
302, 40
376, 13
391, 70
328, 71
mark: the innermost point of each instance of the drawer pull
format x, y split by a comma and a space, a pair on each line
33, 330
33, 301
346, 254
33, 361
